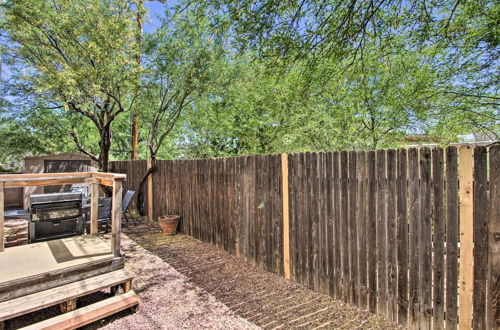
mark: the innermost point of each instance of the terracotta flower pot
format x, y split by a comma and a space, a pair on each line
169, 224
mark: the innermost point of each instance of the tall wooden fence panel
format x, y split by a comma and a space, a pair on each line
135, 170
409, 234
233, 203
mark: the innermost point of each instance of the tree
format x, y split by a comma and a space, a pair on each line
458, 40
78, 56
178, 66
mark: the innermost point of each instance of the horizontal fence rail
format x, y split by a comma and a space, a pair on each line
409, 234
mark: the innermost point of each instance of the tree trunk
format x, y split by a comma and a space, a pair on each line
140, 193
105, 145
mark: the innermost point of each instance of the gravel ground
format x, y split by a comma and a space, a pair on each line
187, 284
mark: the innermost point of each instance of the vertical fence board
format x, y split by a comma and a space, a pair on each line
361, 228
371, 236
315, 215
452, 228
286, 216
402, 219
294, 230
438, 238
414, 220
381, 233
480, 237
425, 240
466, 233
391, 235
323, 220
353, 239
330, 231
493, 295
304, 219
344, 224
337, 226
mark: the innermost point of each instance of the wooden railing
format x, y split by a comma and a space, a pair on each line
115, 181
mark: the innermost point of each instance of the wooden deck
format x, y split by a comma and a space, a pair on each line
34, 259
40, 266
59, 271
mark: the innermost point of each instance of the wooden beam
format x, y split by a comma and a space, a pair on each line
150, 193
104, 182
466, 234
115, 176
44, 176
116, 218
1, 216
89, 314
94, 208
286, 218
42, 182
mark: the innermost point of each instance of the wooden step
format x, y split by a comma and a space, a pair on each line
89, 314
62, 294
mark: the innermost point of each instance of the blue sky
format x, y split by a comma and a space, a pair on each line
156, 9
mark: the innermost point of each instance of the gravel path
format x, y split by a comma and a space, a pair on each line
187, 284
262, 298
169, 299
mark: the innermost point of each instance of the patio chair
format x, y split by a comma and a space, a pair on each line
104, 212
125, 206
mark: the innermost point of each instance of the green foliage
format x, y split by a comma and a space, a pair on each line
235, 77
79, 56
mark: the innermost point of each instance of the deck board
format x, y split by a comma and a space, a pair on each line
39, 258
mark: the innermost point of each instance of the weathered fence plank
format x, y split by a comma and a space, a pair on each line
493, 294
339, 290
330, 227
381, 233
452, 231
361, 228
352, 227
371, 236
344, 199
438, 237
392, 242
480, 236
425, 240
414, 229
402, 218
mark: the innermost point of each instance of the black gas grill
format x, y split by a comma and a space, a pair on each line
55, 216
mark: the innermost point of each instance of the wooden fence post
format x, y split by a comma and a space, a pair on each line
94, 208
286, 219
150, 193
1, 215
466, 234
116, 217
493, 289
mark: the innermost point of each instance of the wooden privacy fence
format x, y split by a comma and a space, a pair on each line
410, 234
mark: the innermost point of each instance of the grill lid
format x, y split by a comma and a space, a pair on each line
56, 197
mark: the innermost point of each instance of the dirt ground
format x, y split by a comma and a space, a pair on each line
187, 284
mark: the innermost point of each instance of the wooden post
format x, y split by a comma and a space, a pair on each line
466, 234
493, 289
116, 217
2, 184
150, 193
286, 219
94, 208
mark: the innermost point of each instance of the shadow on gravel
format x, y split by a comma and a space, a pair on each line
266, 299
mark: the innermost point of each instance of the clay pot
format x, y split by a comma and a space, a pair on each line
169, 224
